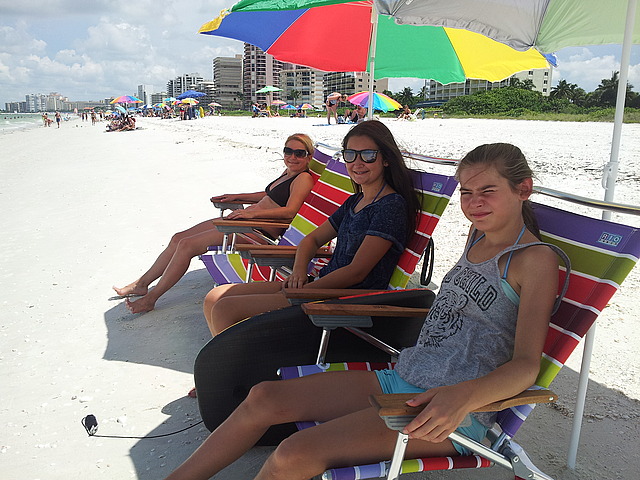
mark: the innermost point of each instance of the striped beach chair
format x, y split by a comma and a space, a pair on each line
602, 254
331, 188
253, 350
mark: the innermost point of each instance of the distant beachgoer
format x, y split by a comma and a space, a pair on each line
361, 113
332, 105
45, 119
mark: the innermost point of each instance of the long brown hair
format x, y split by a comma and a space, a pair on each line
509, 162
396, 173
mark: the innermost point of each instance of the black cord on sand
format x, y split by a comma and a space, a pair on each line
90, 424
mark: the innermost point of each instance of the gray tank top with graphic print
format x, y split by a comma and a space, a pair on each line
469, 331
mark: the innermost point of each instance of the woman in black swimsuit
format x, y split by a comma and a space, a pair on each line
281, 200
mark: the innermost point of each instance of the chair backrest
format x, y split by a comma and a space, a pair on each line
434, 192
602, 254
332, 188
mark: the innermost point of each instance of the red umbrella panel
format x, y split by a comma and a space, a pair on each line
288, 34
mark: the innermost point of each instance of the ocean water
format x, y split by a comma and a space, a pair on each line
18, 121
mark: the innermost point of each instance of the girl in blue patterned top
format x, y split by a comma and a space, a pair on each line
372, 228
485, 331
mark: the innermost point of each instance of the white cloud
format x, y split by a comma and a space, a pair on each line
105, 47
586, 69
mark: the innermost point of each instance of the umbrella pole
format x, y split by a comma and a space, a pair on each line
372, 56
609, 183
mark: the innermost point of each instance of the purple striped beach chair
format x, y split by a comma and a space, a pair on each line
602, 254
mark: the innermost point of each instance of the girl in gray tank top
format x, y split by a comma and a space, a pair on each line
481, 342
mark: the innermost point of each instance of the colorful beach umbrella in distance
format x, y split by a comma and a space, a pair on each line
380, 101
190, 94
305, 106
336, 37
190, 101
214, 104
126, 99
278, 102
269, 89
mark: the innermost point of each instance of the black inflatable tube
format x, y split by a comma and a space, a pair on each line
252, 351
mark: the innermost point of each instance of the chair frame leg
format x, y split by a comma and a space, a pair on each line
398, 456
324, 344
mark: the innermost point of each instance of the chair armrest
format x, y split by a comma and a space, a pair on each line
253, 223
394, 404
311, 294
234, 205
274, 251
247, 226
370, 310
331, 315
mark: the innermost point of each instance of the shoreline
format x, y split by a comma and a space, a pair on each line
85, 209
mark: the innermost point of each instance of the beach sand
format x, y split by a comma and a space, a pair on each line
83, 210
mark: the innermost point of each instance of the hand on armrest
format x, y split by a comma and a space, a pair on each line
395, 404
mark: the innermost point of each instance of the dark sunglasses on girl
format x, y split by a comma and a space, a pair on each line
368, 156
298, 152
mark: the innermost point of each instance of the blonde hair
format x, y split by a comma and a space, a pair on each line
305, 140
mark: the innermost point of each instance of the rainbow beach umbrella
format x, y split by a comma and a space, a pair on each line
380, 101
338, 37
126, 99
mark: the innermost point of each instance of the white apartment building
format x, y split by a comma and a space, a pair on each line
181, 84
259, 70
303, 82
541, 78
349, 83
227, 81
144, 93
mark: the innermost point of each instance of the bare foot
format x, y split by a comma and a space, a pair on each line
141, 305
131, 289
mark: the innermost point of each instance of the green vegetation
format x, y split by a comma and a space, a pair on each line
566, 102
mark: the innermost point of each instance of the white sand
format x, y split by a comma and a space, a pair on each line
83, 210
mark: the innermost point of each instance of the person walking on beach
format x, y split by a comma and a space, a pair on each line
58, 118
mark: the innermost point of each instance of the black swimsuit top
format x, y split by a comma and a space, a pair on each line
280, 193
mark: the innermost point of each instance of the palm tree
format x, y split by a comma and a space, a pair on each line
607, 91
562, 90
405, 97
424, 92
294, 94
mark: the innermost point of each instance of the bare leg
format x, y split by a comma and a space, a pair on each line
228, 304
141, 285
186, 249
358, 438
323, 397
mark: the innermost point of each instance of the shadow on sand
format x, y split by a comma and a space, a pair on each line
169, 336
609, 414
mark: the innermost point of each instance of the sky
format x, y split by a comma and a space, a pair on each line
96, 49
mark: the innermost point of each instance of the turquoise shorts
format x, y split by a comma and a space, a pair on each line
390, 382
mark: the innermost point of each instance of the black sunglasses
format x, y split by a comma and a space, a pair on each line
368, 156
298, 152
